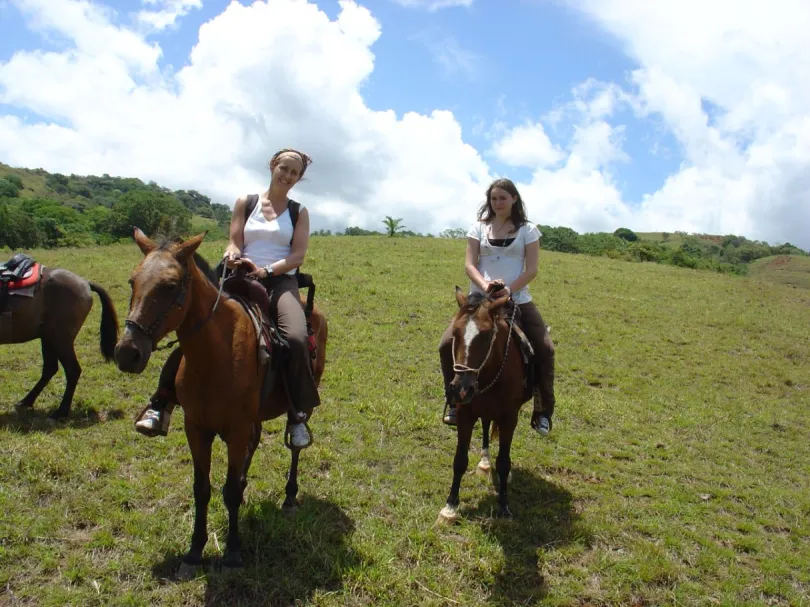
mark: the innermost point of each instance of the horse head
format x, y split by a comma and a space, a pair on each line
159, 299
478, 334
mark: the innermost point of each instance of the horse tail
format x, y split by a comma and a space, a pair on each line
109, 322
493, 433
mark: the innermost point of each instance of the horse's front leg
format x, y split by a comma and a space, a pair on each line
199, 441
503, 465
241, 447
484, 464
465, 423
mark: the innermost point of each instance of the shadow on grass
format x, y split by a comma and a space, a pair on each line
26, 421
287, 558
543, 520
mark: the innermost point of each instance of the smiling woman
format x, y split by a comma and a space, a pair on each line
269, 236
502, 253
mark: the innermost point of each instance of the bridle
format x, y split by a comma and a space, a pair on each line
458, 368
178, 303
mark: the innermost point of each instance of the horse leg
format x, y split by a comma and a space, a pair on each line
291, 488
503, 465
241, 448
484, 465
200, 442
449, 513
50, 365
73, 370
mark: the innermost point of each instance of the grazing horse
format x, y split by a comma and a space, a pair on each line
489, 384
52, 304
220, 378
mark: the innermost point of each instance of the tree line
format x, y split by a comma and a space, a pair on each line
60, 210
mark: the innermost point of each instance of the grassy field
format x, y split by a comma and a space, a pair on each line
792, 270
676, 473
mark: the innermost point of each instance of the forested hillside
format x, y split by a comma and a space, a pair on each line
41, 209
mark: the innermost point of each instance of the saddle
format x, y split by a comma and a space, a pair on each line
20, 272
273, 347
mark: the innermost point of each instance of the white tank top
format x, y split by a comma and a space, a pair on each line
266, 242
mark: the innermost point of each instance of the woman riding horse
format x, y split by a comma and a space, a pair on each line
267, 244
502, 250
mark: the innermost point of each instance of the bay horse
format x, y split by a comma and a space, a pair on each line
52, 304
488, 384
219, 381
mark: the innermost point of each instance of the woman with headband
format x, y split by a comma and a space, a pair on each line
267, 245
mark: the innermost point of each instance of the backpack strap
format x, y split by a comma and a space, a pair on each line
252, 199
294, 208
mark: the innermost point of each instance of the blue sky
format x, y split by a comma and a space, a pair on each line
703, 133
494, 61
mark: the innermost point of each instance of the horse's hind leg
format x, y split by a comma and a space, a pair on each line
73, 370
484, 465
50, 365
503, 465
241, 448
291, 488
199, 441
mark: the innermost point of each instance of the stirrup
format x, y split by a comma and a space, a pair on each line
288, 436
448, 419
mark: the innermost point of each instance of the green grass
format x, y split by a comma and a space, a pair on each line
676, 473
792, 270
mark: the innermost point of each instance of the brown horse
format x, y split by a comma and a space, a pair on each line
220, 377
488, 384
55, 312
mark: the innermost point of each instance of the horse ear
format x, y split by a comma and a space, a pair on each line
460, 297
188, 247
145, 244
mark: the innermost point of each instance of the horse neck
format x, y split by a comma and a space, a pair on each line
202, 295
498, 353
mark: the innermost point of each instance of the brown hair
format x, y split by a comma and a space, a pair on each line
305, 160
486, 212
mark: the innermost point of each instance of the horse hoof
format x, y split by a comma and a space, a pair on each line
504, 512
232, 562
447, 516
289, 508
23, 405
187, 572
58, 414
483, 468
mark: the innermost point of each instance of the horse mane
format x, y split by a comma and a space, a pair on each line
474, 301
202, 263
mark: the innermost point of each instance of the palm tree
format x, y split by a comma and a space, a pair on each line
392, 225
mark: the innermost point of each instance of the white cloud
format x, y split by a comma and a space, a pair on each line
527, 145
744, 164
169, 14
260, 77
433, 5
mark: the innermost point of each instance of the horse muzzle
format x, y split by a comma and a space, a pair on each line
132, 352
463, 388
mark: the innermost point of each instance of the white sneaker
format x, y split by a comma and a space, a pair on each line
299, 436
151, 423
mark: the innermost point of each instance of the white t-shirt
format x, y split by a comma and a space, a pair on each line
505, 263
265, 242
